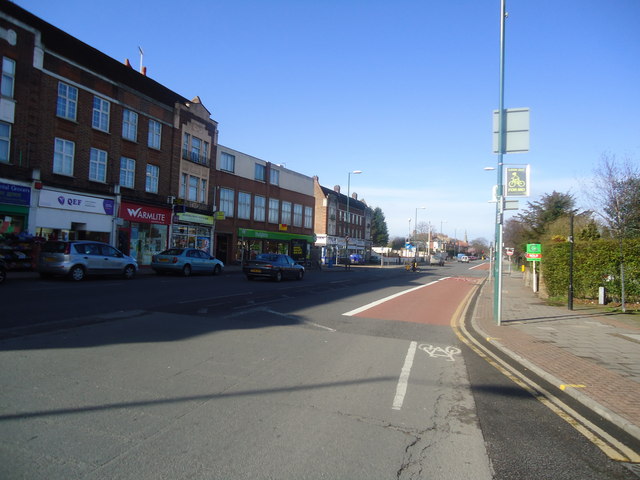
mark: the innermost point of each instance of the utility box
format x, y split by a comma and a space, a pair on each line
602, 296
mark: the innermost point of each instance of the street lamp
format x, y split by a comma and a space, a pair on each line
415, 228
346, 238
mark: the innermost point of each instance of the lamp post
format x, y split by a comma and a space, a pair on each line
497, 285
348, 225
415, 228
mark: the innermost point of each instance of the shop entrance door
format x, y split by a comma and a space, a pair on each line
222, 248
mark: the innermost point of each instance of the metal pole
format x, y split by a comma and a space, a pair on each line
570, 298
497, 286
346, 237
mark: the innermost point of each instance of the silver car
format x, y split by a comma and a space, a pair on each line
80, 258
186, 261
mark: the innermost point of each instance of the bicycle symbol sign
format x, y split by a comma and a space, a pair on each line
516, 181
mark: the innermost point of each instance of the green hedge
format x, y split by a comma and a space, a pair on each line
596, 264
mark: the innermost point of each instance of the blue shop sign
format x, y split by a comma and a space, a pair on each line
15, 194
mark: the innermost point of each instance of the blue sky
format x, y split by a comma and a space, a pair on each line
402, 90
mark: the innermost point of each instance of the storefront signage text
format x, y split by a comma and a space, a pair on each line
195, 218
14, 194
81, 203
145, 214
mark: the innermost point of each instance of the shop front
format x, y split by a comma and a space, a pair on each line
253, 242
143, 230
17, 247
334, 248
14, 208
192, 230
63, 215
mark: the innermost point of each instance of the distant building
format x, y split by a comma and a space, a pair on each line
263, 208
335, 229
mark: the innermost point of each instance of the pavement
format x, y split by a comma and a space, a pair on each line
588, 352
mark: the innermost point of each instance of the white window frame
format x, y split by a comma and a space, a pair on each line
101, 114
5, 142
244, 205
259, 208
67, 103
154, 138
63, 156
274, 210
297, 215
129, 125
127, 173
8, 77
274, 176
308, 217
227, 202
203, 191
227, 162
152, 177
192, 188
285, 217
98, 165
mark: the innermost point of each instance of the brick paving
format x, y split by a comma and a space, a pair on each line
587, 347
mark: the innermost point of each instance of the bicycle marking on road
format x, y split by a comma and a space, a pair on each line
403, 381
435, 352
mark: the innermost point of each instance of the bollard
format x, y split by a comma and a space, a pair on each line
602, 296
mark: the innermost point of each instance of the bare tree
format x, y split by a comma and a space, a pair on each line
615, 193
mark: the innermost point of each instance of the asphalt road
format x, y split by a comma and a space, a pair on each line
344, 375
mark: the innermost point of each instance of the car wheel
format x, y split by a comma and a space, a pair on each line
76, 273
300, 275
217, 270
278, 277
129, 272
186, 271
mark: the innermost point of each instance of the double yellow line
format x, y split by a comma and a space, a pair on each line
613, 448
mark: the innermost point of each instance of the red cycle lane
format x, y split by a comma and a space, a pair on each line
431, 304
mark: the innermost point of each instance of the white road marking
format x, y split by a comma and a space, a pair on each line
403, 381
386, 299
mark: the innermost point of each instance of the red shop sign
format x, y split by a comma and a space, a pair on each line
145, 214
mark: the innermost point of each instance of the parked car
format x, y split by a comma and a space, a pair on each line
356, 259
273, 265
463, 259
80, 258
3, 271
186, 261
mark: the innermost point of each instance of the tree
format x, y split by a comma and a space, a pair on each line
542, 213
398, 243
379, 232
616, 195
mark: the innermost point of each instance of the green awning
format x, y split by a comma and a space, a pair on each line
250, 233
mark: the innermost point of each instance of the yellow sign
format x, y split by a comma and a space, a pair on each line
283, 227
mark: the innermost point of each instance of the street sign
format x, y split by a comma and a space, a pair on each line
534, 248
516, 132
533, 257
516, 181
509, 251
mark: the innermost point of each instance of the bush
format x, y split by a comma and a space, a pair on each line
596, 264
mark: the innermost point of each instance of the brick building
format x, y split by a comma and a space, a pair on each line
338, 233
92, 149
267, 208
